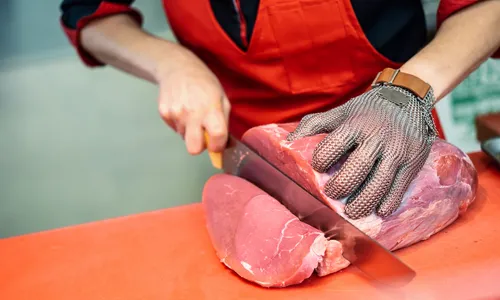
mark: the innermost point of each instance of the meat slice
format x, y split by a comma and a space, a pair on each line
259, 239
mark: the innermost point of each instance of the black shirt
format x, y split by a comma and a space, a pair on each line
396, 28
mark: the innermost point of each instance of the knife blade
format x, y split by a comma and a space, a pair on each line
371, 258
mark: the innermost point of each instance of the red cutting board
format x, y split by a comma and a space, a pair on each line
167, 254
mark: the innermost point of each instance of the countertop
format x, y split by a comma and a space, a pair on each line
167, 254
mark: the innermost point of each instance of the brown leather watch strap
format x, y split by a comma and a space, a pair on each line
404, 80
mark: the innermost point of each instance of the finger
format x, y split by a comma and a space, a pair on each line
165, 115
193, 138
173, 118
332, 148
179, 125
355, 170
313, 124
216, 128
372, 191
403, 180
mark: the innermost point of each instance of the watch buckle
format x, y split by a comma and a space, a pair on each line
390, 82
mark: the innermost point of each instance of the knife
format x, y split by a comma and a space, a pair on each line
376, 262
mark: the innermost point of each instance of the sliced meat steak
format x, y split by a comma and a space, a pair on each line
259, 239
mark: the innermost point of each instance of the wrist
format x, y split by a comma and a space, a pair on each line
427, 74
174, 58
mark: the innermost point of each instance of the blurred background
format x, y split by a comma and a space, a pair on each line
78, 145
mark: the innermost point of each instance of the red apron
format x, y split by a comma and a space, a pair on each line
304, 56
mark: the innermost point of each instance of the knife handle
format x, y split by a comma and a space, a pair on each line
215, 158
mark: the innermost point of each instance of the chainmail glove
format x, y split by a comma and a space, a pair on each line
389, 133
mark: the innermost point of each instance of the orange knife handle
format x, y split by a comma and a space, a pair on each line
215, 158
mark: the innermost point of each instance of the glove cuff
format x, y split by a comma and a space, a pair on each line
415, 85
404, 97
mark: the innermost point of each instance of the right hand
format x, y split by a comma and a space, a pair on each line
192, 102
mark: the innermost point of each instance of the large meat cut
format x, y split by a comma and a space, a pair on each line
258, 238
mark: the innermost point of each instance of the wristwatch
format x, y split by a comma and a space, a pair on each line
407, 81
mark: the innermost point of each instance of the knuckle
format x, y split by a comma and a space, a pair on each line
368, 157
390, 161
399, 159
218, 133
226, 103
164, 111
176, 111
310, 119
166, 115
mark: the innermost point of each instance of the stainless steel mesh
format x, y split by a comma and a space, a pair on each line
390, 132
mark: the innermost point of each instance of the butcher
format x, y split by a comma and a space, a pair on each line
366, 73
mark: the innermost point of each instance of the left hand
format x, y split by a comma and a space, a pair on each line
392, 132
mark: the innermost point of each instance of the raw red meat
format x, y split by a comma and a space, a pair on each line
254, 235
259, 239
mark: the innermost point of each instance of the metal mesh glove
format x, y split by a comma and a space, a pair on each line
390, 133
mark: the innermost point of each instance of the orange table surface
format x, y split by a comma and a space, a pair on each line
167, 254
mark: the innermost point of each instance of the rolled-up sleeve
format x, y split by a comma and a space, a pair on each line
449, 7
76, 14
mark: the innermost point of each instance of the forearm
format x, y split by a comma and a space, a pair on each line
462, 44
120, 42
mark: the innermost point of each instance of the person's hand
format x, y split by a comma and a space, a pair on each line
391, 131
192, 102
191, 99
